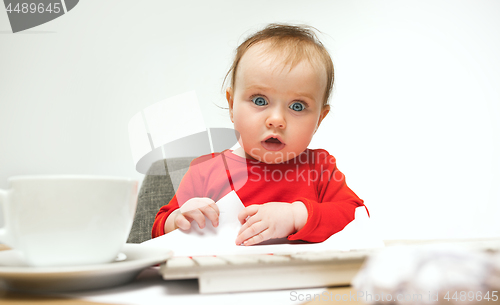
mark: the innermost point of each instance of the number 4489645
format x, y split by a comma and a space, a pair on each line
472, 296
34, 8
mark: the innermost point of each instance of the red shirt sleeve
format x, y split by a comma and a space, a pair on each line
335, 206
161, 217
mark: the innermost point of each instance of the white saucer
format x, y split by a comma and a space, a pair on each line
14, 274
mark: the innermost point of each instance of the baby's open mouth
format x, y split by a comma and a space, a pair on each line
273, 140
273, 144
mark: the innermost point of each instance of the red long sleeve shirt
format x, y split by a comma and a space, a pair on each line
312, 178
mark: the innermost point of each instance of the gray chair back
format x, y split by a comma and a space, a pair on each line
158, 187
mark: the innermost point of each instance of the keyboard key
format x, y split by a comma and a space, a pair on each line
240, 259
180, 262
209, 261
313, 257
269, 259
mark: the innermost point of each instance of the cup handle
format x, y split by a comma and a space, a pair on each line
4, 236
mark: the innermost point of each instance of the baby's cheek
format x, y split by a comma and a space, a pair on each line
303, 139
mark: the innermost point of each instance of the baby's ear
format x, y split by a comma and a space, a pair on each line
323, 114
230, 100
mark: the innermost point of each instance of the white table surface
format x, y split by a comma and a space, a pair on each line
149, 288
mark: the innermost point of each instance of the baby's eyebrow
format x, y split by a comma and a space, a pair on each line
299, 95
306, 95
259, 87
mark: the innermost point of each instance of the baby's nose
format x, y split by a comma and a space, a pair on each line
276, 120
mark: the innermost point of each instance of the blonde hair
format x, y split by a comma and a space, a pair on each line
295, 43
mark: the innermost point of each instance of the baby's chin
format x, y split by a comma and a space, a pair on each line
270, 157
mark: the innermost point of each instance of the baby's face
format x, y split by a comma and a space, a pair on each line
275, 110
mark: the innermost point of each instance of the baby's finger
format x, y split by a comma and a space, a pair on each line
197, 216
246, 212
215, 207
250, 221
250, 232
182, 223
212, 213
195, 203
262, 236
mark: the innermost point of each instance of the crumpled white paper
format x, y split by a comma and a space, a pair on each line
433, 274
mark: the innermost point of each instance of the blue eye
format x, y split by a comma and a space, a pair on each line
259, 101
297, 106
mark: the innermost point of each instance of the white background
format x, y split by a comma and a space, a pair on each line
415, 109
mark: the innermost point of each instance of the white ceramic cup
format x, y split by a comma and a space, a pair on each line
67, 220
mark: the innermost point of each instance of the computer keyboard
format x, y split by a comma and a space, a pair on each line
233, 273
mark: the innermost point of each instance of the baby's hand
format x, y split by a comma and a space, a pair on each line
196, 209
270, 220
